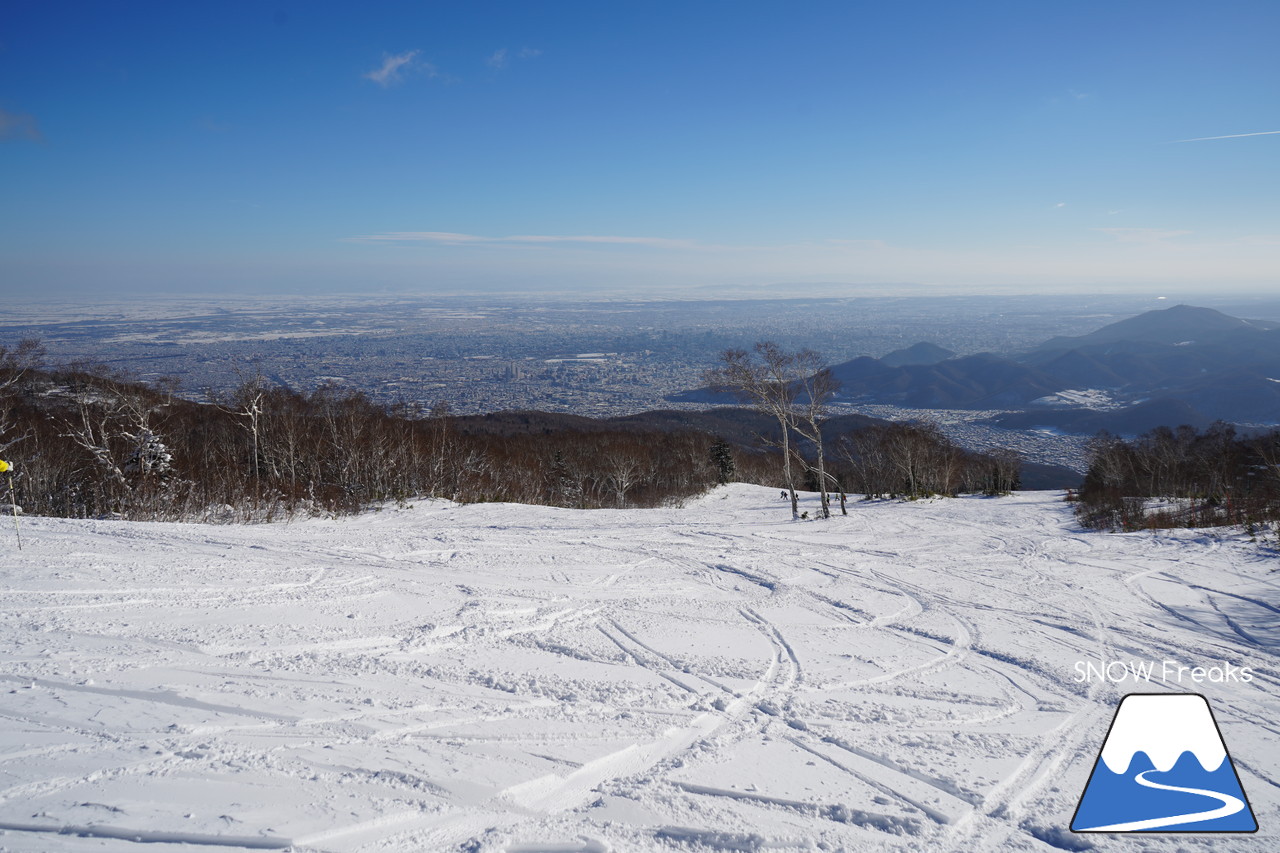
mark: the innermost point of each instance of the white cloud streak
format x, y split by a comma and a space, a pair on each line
1146, 236
859, 244
1228, 136
394, 66
446, 238
501, 58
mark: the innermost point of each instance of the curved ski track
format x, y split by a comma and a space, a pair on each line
613, 680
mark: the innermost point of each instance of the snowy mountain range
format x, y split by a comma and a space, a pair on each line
1195, 364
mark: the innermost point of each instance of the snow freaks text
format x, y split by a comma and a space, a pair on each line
1119, 671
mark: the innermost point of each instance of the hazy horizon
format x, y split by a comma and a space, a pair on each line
579, 148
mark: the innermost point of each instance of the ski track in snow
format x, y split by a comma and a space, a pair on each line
530, 680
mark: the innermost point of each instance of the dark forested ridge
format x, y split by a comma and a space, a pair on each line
85, 444
88, 443
737, 425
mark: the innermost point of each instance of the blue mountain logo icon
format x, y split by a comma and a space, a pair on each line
1164, 768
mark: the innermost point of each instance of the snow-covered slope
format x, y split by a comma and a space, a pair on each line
716, 677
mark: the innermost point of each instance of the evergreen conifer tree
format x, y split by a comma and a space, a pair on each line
722, 461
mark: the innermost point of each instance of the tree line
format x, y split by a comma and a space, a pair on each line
1182, 477
915, 460
907, 460
88, 443
91, 443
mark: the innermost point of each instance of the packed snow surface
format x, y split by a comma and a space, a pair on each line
713, 677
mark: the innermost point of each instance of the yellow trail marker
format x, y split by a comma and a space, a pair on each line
6, 468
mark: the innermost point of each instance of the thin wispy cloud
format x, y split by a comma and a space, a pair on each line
19, 126
1259, 240
1228, 136
394, 67
452, 238
501, 58
1142, 235
446, 238
659, 242
858, 244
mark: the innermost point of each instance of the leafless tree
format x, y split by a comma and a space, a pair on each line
116, 426
1005, 468
442, 452
248, 404
767, 380
816, 386
1267, 450
95, 426
624, 468
16, 363
1110, 460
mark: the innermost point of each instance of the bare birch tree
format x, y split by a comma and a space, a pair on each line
248, 403
816, 386
766, 381
15, 363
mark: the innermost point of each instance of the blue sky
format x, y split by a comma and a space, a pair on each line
445, 147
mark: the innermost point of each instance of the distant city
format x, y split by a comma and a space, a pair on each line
600, 358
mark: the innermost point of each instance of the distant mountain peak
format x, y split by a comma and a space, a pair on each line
1168, 326
923, 352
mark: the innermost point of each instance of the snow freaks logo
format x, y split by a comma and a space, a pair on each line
1118, 671
1163, 768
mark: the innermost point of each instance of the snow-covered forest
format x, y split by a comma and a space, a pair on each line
86, 443
1199, 478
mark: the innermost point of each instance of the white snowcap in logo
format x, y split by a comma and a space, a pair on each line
1163, 726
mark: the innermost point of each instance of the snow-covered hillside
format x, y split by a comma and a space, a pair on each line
497, 677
